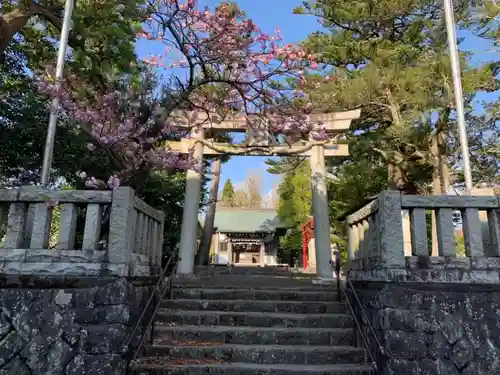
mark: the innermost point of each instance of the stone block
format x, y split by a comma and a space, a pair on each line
481, 277
65, 256
439, 347
407, 320
425, 262
458, 263
452, 329
462, 354
15, 366
103, 339
115, 293
12, 255
437, 367
435, 276
96, 365
398, 366
485, 263
10, 346
403, 344
63, 269
103, 314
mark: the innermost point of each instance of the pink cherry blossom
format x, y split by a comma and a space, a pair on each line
228, 66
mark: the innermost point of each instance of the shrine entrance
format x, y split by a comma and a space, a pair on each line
246, 252
260, 143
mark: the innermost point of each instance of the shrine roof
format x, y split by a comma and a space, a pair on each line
246, 220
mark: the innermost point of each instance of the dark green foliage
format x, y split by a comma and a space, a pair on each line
390, 59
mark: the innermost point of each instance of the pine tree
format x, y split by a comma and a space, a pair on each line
227, 197
390, 59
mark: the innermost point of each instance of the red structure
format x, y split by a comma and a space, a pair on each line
306, 237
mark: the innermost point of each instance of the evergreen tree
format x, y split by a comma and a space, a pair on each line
390, 59
101, 38
227, 197
294, 207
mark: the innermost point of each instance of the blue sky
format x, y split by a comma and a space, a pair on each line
272, 14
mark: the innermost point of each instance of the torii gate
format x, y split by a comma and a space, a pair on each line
334, 123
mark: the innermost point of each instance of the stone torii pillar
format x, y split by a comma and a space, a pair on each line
189, 229
320, 214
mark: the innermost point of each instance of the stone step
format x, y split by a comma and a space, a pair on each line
256, 294
241, 270
255, 335
295, 307
249, 369
250, 282
262, 354
255, 319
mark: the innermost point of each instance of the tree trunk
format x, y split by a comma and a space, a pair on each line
395, 177
14, 21
10, 24
440, 179
444, 172
202, 256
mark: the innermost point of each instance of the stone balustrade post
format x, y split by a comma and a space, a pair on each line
121, 226
390, 230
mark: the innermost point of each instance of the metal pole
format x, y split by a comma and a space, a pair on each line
51, 130
457, 88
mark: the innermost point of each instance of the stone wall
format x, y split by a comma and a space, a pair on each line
67, 326
434, 328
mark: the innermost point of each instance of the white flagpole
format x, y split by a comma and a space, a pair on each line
51, 130
457, 88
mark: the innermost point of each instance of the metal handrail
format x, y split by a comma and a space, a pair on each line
384, 352
126, 351
338, 267
349, 284
363, 337
365, 316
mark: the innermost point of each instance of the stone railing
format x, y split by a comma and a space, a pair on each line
76, 232
388, 239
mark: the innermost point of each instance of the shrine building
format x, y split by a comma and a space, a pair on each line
245, 236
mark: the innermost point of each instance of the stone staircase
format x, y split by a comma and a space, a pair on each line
252, 321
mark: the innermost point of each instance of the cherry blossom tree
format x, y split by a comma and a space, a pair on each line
215, 64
